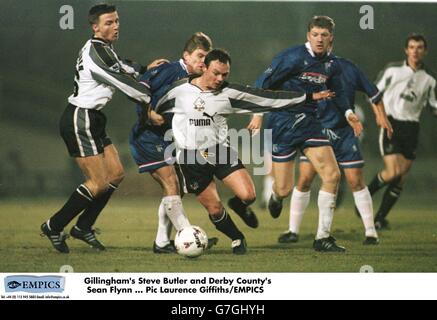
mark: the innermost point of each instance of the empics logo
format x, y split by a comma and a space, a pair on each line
34, 284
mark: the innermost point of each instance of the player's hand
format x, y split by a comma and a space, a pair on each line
255, 124
156, 119
355, 123
383, 122
322, 95
156, 63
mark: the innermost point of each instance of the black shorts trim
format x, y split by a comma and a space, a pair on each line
83, 131
405, 139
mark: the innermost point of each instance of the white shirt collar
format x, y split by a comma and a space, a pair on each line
183, 65
311, 52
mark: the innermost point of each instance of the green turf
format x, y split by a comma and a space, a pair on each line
128, 227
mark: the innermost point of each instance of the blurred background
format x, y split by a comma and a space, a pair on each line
38, 60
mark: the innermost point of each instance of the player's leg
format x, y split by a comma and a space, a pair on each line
267, 181
348, 154
171, 211
218, 215
114, 176
300, 199
325, 164
148, 149
103, 184
242, 186
390, 150
82, 131
284, 140
363, 202
393, 191
341, 193
94, 170
283, 176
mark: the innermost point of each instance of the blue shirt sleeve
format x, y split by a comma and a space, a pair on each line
161, 78
366, 86
335, 84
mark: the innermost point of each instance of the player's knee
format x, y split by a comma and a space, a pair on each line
356, 185
393, 172
304, 185
97, 187
214, 209
249, 198
283, 192
117, 177
332, 177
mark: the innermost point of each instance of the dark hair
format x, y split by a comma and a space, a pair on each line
99, 9
324, 22
416, 37
199, 40
217, 54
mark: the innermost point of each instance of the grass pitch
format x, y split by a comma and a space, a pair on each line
129, 225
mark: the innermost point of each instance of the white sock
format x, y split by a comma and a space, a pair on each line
326, 203
175, 211
363, 201
298, 205
268, 188
164, 227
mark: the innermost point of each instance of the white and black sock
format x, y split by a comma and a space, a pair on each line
79, 200
89, 216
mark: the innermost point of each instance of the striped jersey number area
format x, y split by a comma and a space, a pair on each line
79, 67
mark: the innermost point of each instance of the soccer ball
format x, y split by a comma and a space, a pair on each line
191, 241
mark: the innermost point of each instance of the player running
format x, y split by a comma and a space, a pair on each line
347, 152
99, 71
311, 68
408, 86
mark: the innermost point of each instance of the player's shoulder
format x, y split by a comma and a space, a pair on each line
98, 43
347, 64
430, 72
170, 66
343, 61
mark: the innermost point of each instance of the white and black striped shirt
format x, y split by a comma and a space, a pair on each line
98, 72
199, 120
407, 92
